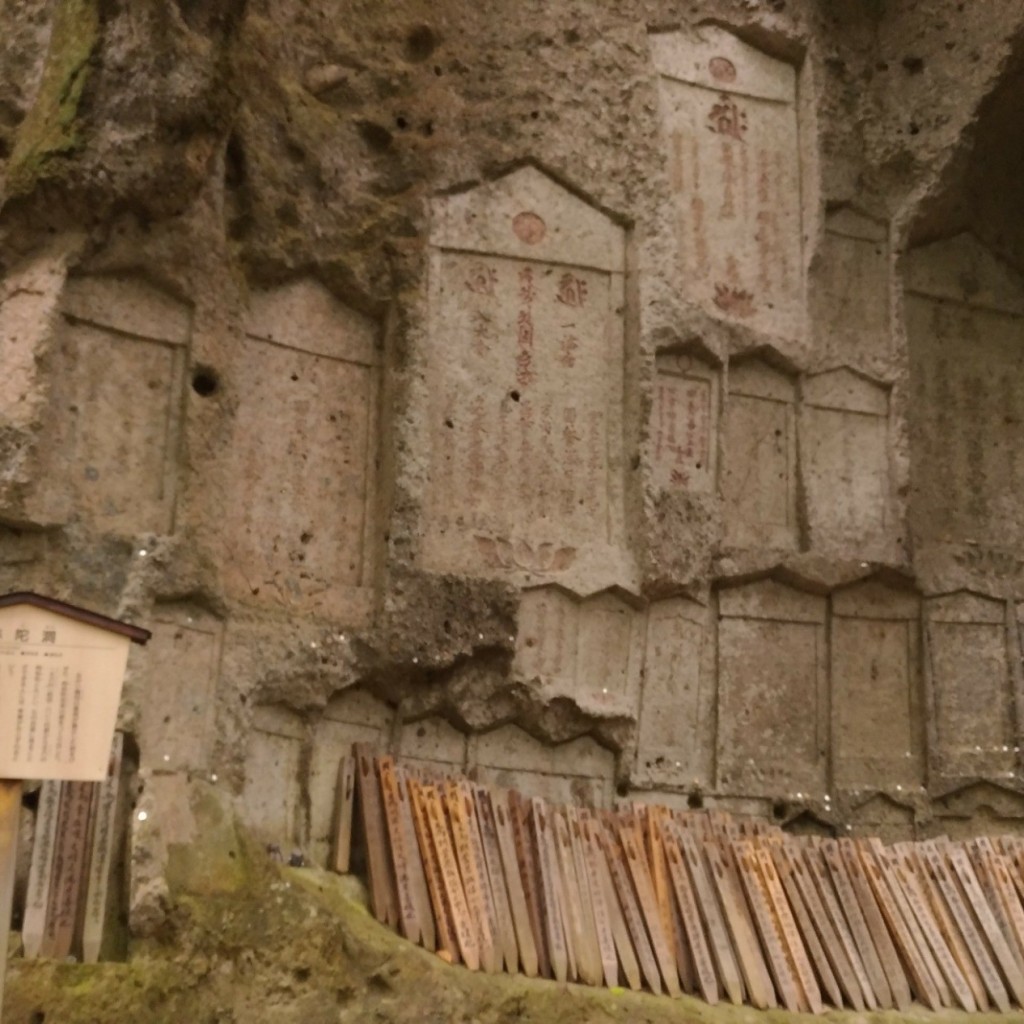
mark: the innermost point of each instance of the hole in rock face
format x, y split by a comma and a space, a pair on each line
420, 43
514, 395
376, 136
780, 809
695, 801
205, 382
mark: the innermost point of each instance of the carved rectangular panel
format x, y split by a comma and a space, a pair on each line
301, 474
759, 458
271, 795
118, 374
678, 690
972, 695
588, 650
684, 424
433, 743
844, 442
179, 677
730, 120
525, 393
878, 723
964, 314
772, 659
851, 294
579, 771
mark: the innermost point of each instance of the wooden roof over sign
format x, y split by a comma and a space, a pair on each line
136, 634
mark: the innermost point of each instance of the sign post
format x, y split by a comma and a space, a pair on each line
61, 673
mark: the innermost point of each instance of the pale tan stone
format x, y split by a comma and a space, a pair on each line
730, 120
432, 743
684, 424
301, 462
759, 457
972, 695
882, 816
878, 727
524, 398
272, 795
772, 690
844, 449
579, 771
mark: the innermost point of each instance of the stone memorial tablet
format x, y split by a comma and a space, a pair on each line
684, 424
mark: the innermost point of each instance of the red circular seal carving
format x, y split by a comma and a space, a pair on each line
529, 228
722, 69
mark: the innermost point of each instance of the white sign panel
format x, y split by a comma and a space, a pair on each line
60, 686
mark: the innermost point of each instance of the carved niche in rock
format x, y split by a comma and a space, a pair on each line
524, 385
979, 809
772, 690
677, 704
730, 117
271, 799
877, 702
845, 456
759, 457
974, 724
965, 318
851, 293
178, 683
118, 365
301, 477
432, 743
684, 424
352, 716
579, 771
589, 650
882, 816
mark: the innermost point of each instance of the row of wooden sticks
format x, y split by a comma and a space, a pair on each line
696, 902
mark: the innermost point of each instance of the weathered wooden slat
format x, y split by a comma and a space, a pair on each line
595, 961
631, 911
106, 822
632, 846
469, 872
344, 801
551, 913
383, 896
836, 942
711, 914
822, 967
998, 868
953, 940
40, 878
772, 942
415, 864
525, 940
584, 944
400, 854
446, 945
889, 869
899, 928
961, 863
917, 901
940, 875
521, 818
462, 924
851, 909
613, 934
507, 940
704, 967
468, 810
744, 938
661, 886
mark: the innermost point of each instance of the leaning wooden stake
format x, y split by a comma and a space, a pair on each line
10, 811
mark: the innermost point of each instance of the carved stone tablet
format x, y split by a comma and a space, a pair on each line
578, 772
877, 713
179, 677
759, 457
301, 475
734, 165
432, 743
271, 796
118, 374
525, 477
589, 650
974, 718
772, 727
963, 315
684, 424
845, 457
678, 695
851, 295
